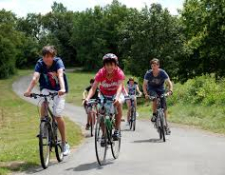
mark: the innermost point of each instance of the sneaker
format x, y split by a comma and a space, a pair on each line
168, 132
153, 119
66, 149
116, 135
137, 114
87, 127
103, 141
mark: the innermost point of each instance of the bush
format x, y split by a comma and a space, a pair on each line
200, 90
7, 58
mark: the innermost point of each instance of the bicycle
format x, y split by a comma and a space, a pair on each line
48, 134
132, 121
160, 123
104, 129
93, 116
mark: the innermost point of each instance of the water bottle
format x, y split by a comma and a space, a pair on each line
108, 122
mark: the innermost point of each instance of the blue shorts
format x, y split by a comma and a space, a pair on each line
156, 93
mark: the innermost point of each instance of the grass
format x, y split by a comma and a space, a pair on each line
78, 81
18, 129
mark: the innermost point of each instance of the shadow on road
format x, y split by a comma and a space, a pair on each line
149, 141
89, 166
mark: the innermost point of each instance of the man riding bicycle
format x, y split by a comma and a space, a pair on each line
89, 108
132, 89
111, 79
49, 70
153, 85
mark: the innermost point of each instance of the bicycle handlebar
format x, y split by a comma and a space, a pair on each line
161, 96
99, 100
130, 97
51, 95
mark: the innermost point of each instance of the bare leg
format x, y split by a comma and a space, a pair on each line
61, 126
118, 116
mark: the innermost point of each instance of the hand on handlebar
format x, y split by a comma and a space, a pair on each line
27, 94
61, 92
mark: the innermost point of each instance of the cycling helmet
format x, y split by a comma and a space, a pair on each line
110, 57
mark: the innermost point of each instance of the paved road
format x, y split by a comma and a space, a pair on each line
187, 151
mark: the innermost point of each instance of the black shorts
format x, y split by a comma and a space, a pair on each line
155, 93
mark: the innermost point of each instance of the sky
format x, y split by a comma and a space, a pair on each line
22, 7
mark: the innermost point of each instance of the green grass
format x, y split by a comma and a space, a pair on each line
205, 117
18, 129
78, 81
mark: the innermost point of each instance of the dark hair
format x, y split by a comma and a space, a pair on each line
92, 80
49, 50
155, 61
109, 61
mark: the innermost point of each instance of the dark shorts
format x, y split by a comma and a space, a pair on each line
155, 93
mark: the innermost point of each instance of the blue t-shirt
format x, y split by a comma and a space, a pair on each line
48, 76
156, 83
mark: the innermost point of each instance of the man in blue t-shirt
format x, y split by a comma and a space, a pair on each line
153, 85
49, 70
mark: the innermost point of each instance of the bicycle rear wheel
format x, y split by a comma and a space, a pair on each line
44, 144
115, 144
100, 141
58, 144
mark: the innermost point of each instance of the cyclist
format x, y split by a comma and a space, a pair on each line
89, 108
132, 89
153, 85
49, 70
111, 79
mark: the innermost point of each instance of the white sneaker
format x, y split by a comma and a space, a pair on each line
66, 149
137, 114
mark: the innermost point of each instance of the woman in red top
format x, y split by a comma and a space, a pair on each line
110, 78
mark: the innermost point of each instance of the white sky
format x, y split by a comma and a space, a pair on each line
22, 7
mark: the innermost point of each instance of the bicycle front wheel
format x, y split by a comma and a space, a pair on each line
44, 144
58, 145
115, 144
162, 131
100, 141
134, 119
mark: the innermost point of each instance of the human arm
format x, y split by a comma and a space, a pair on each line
33, 82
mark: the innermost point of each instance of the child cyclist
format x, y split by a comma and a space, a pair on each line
132, 89
89, 108
111, 78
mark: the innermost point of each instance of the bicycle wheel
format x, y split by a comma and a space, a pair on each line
92, 124
58, 144
131, 119
115, 144
100, 141
162, 128
44, 144
134, 119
